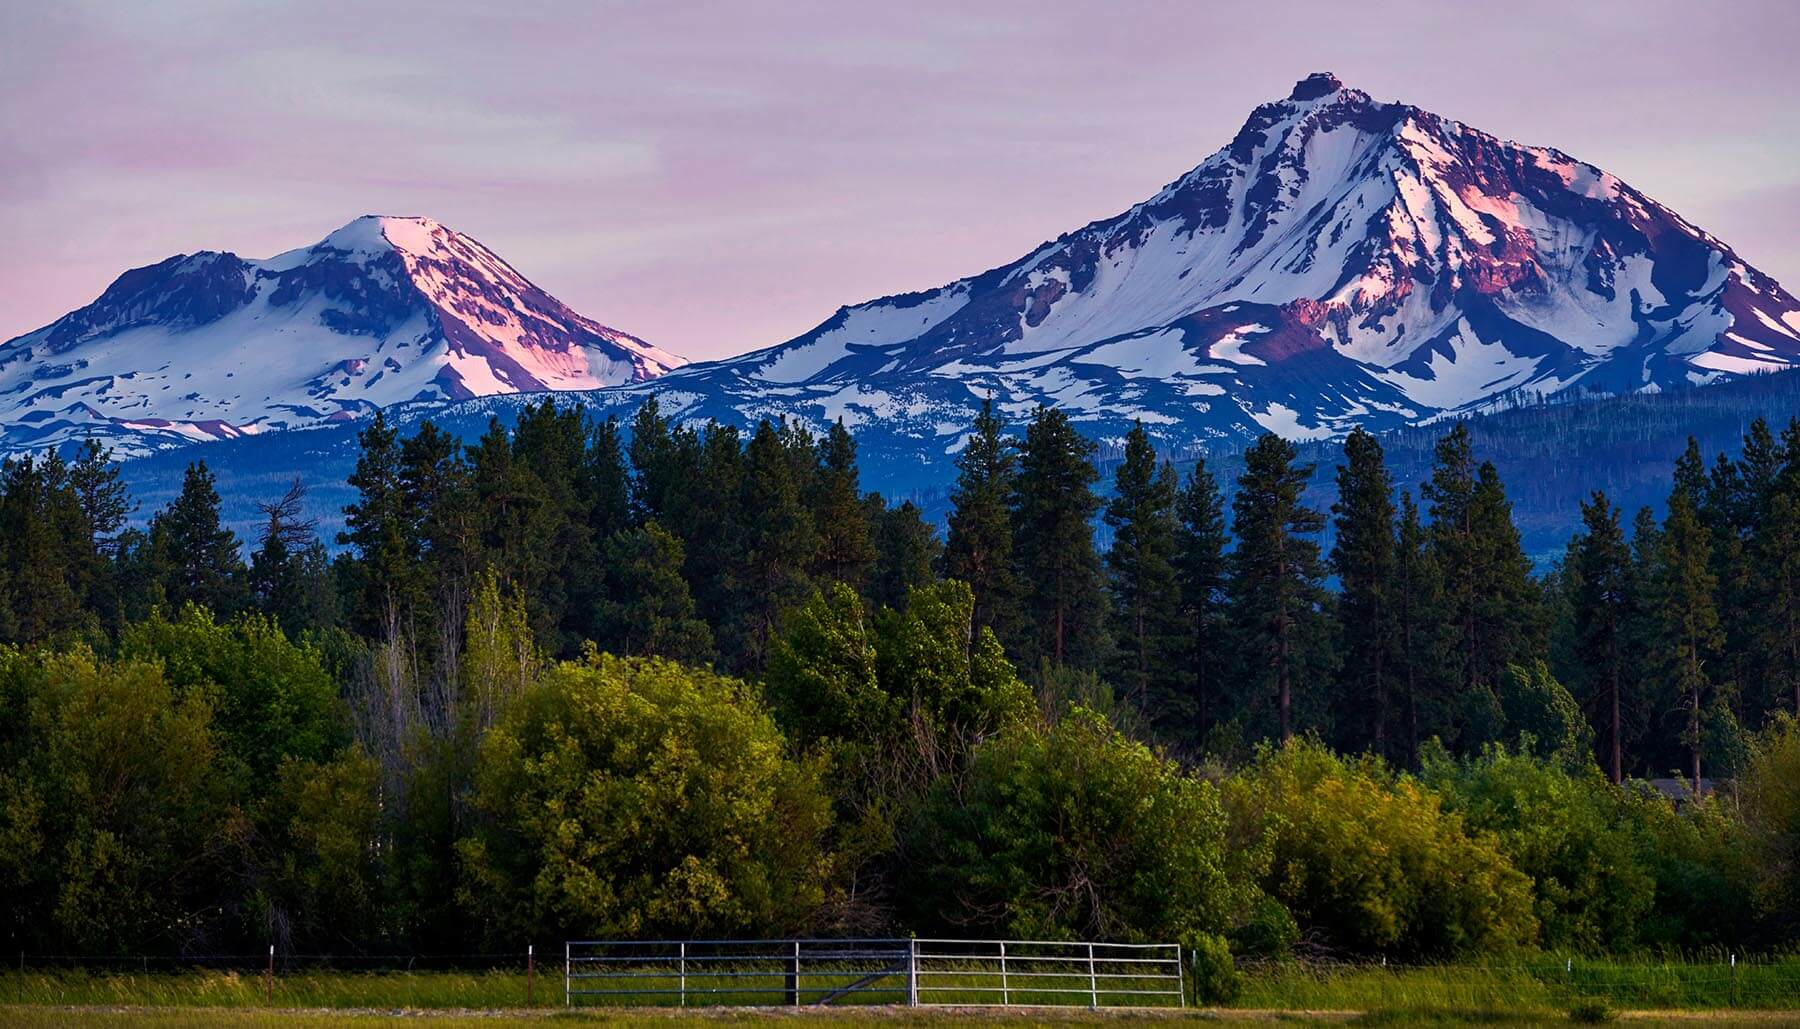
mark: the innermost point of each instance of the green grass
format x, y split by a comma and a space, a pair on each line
507, 989
1532, 991
206, 988
1541, 985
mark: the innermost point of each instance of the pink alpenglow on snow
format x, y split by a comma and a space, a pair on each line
382, 311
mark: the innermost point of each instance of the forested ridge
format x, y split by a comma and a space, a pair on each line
579, 678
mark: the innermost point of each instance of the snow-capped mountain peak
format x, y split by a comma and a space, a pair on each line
383, 310
1341, 260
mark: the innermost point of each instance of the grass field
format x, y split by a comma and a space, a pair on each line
1546, 984
1523, 993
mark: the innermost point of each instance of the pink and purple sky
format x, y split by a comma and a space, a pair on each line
717, 177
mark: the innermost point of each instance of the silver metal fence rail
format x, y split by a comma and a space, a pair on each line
987, 973
1015, 973
735, 972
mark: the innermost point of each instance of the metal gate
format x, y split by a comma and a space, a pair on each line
1044, 973
736, 972
984, 973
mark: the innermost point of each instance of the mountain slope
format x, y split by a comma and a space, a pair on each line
1341, 261
384, 310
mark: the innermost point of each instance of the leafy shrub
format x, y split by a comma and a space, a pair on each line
1369, 861
1214, 975
1577, 836
1771, 803
1543, 717
1074, 832
639, 798
1705, 871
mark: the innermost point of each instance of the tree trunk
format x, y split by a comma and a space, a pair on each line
1283, 687
1143, 649
1619, 763
1694, 712
1381, 712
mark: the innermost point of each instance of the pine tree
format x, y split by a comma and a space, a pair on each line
716, 531
979, 549
606, 479
1492, 601
1688, 622
656, 460
846, 551
1276, 574
289, 576
104, 503
1731, 505
379, 533
1058, 570
778, 544
1643, 640
1775, 611
1775, 633
648, 611
1602, 609
1422, 645
1364, 561
40, 527
906, 552
198, 553
1141, 574
536, 519
1200, 569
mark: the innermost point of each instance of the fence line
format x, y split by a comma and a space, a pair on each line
914, 972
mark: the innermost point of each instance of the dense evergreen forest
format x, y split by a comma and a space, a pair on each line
579, 678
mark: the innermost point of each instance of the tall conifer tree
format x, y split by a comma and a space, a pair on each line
1363, 558
1602, 609
198, 554
1200, 571
1687, 620
846, 552
1141, 575
1058, 570
906, 553
778, 544
1492, 602
1422, 632
979, 548
1276, 575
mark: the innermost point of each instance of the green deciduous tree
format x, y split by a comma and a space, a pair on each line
1072, 831
634, 798
112, 808
1370, 861
270, 698
1576, 835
